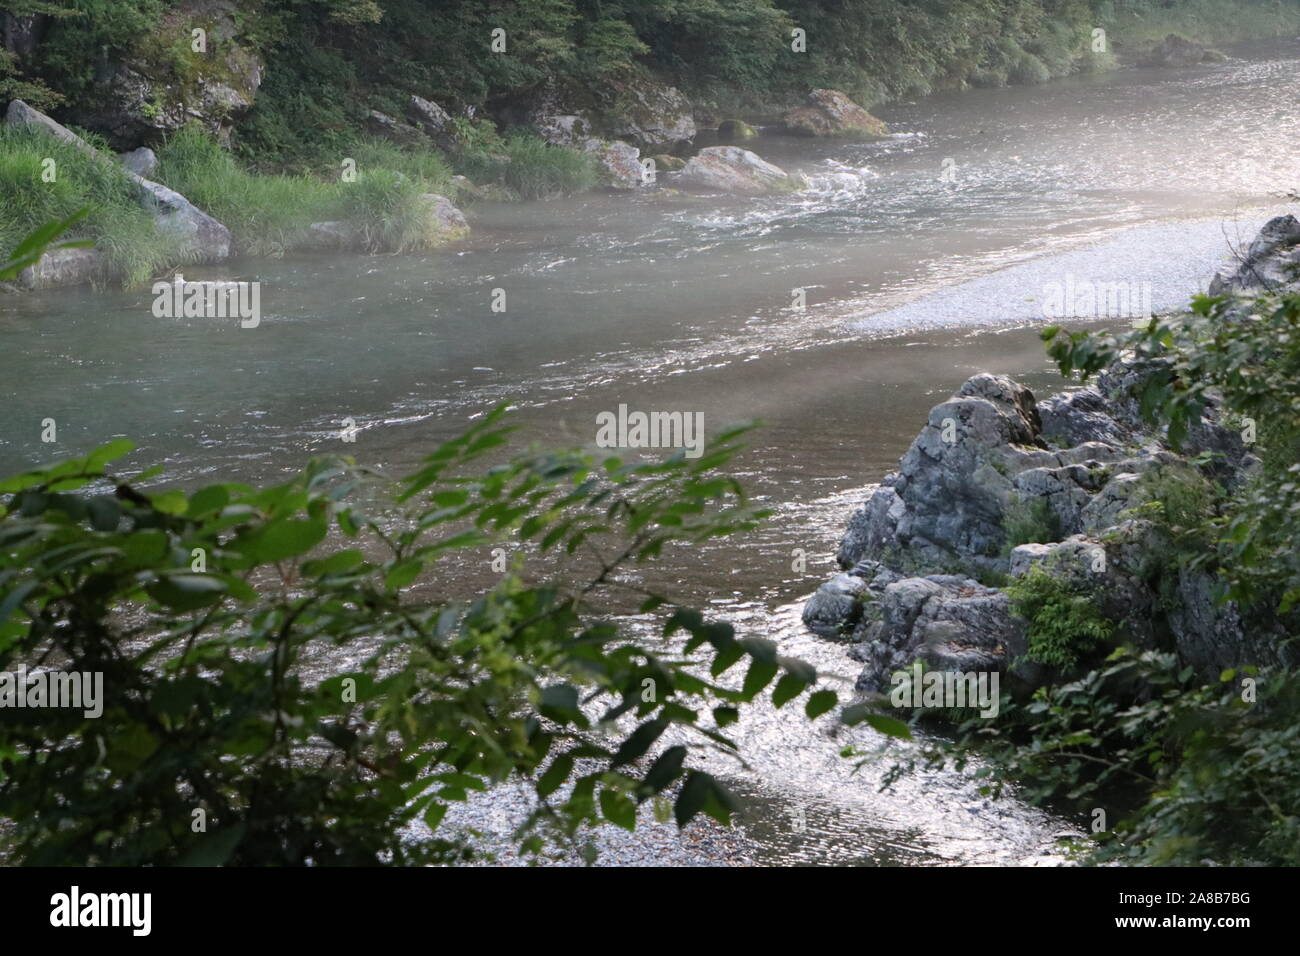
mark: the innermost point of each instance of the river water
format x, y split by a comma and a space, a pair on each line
923, 258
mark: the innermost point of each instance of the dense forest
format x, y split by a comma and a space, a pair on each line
329, 61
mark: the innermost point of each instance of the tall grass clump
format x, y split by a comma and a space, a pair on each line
531, 167
425, 166
123, 231
267, 215
390, 212
271, 214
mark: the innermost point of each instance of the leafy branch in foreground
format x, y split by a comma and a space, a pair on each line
276, 665
40, 241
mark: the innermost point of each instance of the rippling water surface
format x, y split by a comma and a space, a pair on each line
913, 281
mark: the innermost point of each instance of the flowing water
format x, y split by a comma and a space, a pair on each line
923, 258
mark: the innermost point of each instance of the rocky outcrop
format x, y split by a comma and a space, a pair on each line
996, 484
394, 130
1270, 262
143, 98
1175, 52
197, 236
831, 113
730, 169
433, 121
651, 116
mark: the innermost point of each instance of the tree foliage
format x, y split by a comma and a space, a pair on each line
280, 662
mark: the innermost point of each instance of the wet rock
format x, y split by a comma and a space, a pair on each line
64, 267
1176, 52
831, 113
619, 164
735, 131
731, 169
835, 607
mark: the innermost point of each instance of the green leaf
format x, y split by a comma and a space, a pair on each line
820, 702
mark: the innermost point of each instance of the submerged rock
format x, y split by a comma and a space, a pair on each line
731, 169
831, 113
735, 131
1175, 52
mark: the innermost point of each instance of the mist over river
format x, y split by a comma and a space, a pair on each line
924, 258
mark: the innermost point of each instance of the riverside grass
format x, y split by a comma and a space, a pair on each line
43, 179
271, 214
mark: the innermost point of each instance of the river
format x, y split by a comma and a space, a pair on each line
923, 258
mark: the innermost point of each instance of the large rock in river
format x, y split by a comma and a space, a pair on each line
831, 113
730, 169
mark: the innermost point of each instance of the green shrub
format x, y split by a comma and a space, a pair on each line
270, 214
1066, 626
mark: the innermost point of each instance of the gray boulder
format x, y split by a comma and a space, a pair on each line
619, 164
1271, 262
730, 169
831, 113
64, 267
433, 121
652, 116
395, 131
142, 161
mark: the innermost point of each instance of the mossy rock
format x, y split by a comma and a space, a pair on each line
735, 131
